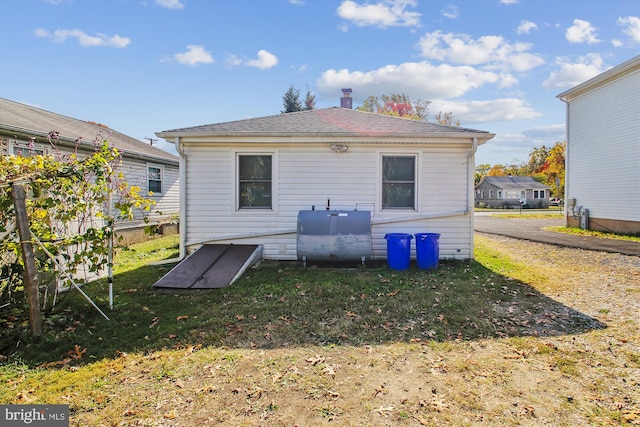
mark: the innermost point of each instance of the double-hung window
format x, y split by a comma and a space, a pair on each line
255, 179
154, 179
398, 182
28, 151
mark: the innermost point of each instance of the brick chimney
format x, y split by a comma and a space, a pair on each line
346, 101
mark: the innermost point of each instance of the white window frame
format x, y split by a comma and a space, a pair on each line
236, 183
416, 180
538, 194
25, 145
161, 167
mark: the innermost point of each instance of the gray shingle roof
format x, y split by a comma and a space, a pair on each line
328, 121
17, 117
515, 182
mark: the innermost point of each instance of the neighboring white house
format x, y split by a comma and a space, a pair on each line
602, 181
24, 130
511, 191
246, 181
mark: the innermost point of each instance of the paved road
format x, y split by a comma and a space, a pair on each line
532, 229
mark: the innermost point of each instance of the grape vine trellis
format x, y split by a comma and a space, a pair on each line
67, 214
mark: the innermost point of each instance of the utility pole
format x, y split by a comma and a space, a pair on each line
151, 140
30, 275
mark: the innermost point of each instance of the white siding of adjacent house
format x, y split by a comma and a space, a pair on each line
603, 170
308, 175
168, 202
135, 173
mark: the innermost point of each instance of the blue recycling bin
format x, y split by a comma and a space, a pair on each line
427, 250
398, 250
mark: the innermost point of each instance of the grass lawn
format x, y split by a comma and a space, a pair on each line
283, 304
271, 344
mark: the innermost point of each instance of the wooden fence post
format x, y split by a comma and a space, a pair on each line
30, 276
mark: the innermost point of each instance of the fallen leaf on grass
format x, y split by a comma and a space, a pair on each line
381, 410
422, 421
154, 322
179, 318
379, 390
24, 397
331, 369
171, 415
315, 359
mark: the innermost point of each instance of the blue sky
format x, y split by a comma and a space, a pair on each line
143, 66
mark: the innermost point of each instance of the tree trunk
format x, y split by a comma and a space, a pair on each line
30, 276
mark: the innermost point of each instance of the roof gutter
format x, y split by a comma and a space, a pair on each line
17, 132
168, 135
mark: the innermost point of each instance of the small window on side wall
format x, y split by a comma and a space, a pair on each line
154, 179
398, 182
27, 151
255, 181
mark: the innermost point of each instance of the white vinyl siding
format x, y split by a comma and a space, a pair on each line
603, 150
311, 175
167, 203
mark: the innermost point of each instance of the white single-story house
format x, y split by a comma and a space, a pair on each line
602, 178
511, 191
246, 181
24, 130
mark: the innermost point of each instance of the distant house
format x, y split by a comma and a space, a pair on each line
602, 181
24, 130
247, 181
504, 192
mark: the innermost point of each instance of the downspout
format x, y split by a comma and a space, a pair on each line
566, 160
182, 226
470, 190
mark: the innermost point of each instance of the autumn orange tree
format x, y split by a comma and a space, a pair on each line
552, 169
397, 105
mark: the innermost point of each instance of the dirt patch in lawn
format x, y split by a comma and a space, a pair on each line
570, 358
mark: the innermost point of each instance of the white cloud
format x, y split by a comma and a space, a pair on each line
581, 32
194, 55
490, 52
494, 110
509, 1
525, 27
383, 14
570, 74
450, 12
233, 60
264, 61
549, 131
86, 40
170, 4
419, 79
631, 28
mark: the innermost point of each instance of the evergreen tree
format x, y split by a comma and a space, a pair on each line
291, 101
